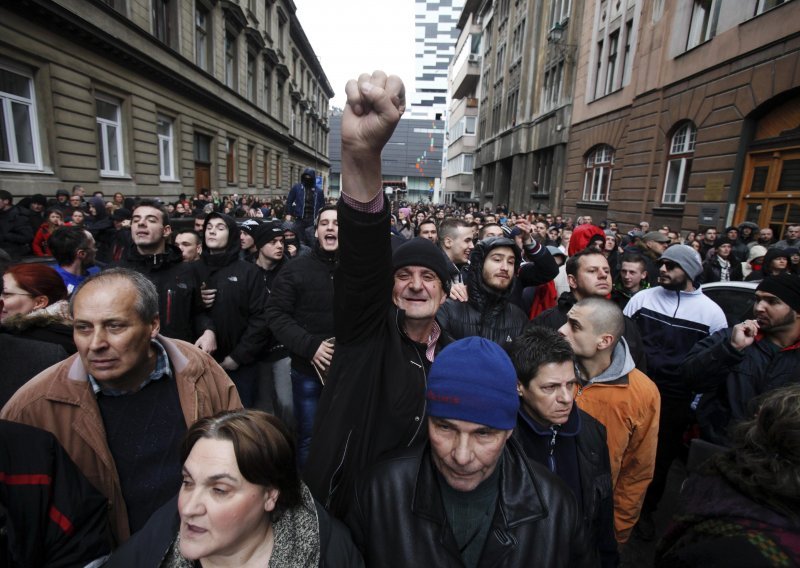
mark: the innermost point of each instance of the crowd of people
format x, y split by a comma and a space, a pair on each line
231, 381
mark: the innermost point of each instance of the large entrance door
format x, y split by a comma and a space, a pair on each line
771, 195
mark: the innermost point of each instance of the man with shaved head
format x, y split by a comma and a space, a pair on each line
620, 397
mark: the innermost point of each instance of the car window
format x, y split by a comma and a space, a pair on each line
737, 303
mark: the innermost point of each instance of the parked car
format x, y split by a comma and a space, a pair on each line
735, 298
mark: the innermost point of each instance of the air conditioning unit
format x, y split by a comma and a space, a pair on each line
473, 58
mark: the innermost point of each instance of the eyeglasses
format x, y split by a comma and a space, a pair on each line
5, 295
669, 265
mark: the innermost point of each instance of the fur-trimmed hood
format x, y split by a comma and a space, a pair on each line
56, 313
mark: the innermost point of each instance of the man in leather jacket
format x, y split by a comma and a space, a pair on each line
468, 497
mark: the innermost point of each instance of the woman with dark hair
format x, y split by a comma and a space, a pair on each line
35, 305
742, 509
54, 218
776, 261
241, 503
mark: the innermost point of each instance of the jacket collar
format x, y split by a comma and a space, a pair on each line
519, 500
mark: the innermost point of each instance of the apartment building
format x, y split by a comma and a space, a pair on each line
159, 97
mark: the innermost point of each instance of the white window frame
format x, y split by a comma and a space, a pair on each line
105, 143
202, 37
559, 12
681, 152
761, 6
702, 27
231, 59
599, 167
7, 99
168, 140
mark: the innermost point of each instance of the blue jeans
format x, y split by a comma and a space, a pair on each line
306, 391
246, 380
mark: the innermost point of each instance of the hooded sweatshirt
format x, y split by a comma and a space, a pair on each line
238, 310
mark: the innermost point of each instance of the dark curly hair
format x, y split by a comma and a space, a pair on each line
764, 463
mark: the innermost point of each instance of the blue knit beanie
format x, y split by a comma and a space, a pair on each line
473, 380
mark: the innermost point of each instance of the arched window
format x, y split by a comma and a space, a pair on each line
679, 164
597, 175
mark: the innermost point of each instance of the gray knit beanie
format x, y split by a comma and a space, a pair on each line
685, 257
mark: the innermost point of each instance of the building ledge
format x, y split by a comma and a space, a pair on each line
669, 211
596, 205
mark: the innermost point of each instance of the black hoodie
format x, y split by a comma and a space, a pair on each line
238, 310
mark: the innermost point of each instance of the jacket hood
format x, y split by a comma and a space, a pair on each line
582, 235
480, 295
100, 208
621, 364
55, 313
772, 254
309, 172
231, 252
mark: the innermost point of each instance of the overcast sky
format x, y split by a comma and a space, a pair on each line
355, 36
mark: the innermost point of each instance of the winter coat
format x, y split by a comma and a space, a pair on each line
60, 400
305, 536
712, 270
16, 233
555, 317
595, 498
60, 522
296, 200
488, 313
628, 404
39, 245
731, 379
718, 525
238, 313
374, 399
50, 324
300, 306
22, 360
180, 306
536, 519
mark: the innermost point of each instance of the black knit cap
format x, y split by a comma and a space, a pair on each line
422, 252
266, 232
784, 286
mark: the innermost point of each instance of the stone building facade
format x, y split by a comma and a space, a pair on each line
702, 128
159, 97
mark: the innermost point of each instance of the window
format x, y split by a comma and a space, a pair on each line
166, 151
559, 12
612, 55
501, 57
266, 168
202, 40
764, 5
267, 88
518, 40
230, 60
544, 160
553, 79
679, 164
202, 148
19, 133
251, 77
279, 99
281, 31
251, 165
597, 174
230, 161
278, 170
164, 21
109, 136
704, 22
268, 17
511, 107
464, 127
461, 164
611, 66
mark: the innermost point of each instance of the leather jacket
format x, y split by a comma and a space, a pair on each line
397, 517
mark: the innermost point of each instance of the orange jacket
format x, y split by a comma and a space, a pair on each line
628, 405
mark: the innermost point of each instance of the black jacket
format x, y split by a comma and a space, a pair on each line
180, 306
536, 520
556, 316
300, 306
732, 379
16, 234
374, 400
60, 522
274, 350
149, 547
712, 271
238, 312
488, 313
594, 472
